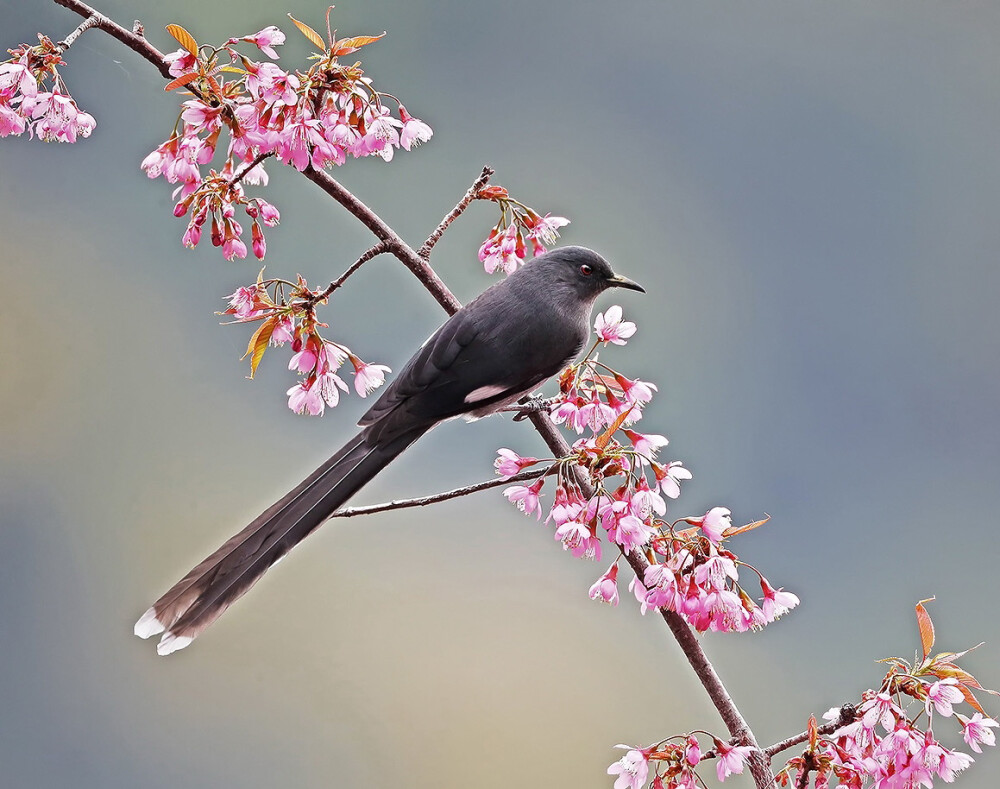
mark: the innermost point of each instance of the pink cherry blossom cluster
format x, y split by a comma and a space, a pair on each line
592, 395
314, 118
880, 743
674, 764
505, 247
690, 571
317, 360
25, 105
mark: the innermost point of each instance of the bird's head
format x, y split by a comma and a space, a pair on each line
581, 271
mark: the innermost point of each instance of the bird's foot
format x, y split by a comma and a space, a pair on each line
530, 404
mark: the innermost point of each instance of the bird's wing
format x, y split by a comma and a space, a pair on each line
435, 357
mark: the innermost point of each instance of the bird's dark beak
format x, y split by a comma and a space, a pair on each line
618, 281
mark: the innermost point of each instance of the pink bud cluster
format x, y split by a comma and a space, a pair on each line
505, 247
881, 743
51, 115
317, 360
673, 764
315, 118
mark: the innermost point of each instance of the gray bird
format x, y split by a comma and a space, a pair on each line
490, 353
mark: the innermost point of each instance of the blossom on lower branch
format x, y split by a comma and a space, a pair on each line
882, 743
689, 571
673, 763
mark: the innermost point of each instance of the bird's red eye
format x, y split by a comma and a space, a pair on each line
586, 270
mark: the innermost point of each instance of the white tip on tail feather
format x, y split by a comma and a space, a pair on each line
148, 625
171, 643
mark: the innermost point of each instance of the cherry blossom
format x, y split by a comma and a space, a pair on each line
942, 695
610, 327
631, 769
714, 523
646, 446
670, 477
777, 602
266, 40
414, 131
544, 230
509, 463
977, 730
526, 497
605, 588
731, 759
368, 377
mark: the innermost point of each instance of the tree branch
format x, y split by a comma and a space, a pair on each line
394, 244
848, 714
350, 512
484, 177
374, 251
247, 167
134, 41
82, 28
738, 728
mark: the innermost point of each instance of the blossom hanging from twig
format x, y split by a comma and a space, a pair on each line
51, 115
314, 118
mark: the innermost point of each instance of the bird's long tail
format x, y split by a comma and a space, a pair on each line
201, 596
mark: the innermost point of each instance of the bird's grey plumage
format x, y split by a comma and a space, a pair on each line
503, 344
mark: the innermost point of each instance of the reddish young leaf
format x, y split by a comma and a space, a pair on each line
609, 382
183, 79
605, 437
492, 193
972, 700
348, 45
258, 343
734, 530
926, 627
309, 33
184, 38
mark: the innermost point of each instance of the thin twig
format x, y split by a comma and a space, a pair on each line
484, 177
133, 41
394, 244
248, 167
350, 512
84, 26
374, 251
848, 714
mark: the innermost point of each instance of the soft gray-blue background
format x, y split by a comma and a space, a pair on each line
809, 192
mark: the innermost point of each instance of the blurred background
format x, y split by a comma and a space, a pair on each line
807, 191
